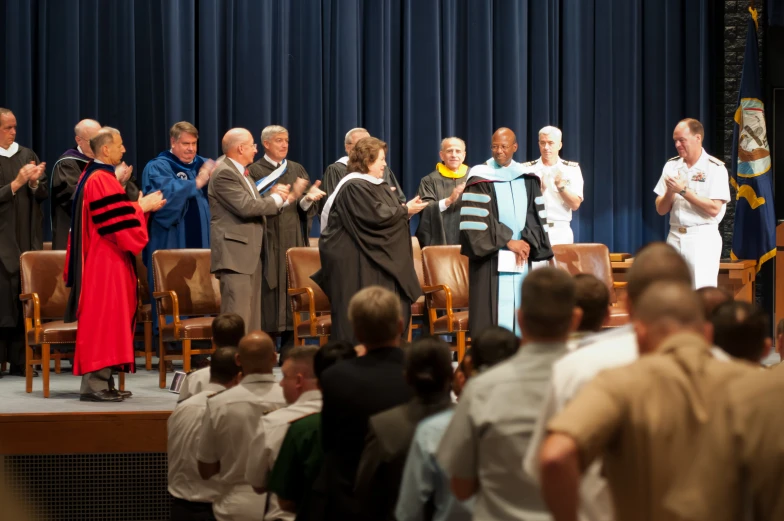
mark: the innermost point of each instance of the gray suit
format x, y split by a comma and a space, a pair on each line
236, 232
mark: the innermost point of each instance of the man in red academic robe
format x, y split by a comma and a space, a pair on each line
107, 232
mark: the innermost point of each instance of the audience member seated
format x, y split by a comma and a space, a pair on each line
711, 298
742, 330
780, 341
300, 461
428, 371
191, 497
355, 390
483, 447
227, 330
593, 298
424, 490
652, 422
300, 389
229, 426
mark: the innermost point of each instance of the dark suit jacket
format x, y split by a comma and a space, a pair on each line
353, 391
237, 220
380, 470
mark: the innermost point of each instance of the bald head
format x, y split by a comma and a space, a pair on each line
233, 138
666, 308
657, 262
503, 145
84, 131
256, 353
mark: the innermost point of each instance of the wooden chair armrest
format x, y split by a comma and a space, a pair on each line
160, 295
24, 297
311, 305
617, 285
447, 291
620, 257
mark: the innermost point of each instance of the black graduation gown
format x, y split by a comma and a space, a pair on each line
21, 230
65, 177
481, 247
367, 242
437, 228
288, 229
337, 171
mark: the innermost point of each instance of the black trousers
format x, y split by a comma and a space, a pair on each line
182, 510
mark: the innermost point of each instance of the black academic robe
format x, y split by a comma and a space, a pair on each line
337, 171
367, 242
65, 177
288, 229
481, 248
21, 229
437, 228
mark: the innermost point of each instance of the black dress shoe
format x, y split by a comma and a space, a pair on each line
121, 394
17, 370
100, 396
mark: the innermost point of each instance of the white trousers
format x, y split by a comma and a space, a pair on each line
701, 247
561, 233
241, 503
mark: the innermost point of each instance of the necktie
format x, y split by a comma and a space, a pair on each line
247, 173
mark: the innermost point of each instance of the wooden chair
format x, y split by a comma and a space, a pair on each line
313, 242
594, 259
45, 297
47, 246
188, 298
307, 297
144, 311
418, 308
446, 288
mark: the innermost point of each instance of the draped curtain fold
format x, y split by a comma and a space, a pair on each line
614, 76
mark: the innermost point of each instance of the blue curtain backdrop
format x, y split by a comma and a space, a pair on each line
614, 75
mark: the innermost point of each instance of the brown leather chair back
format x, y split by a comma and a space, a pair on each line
187, 273
301, 263
417, 251
445, 265
141, 274
42, 273
586, 258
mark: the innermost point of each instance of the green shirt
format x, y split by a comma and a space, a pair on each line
298, 464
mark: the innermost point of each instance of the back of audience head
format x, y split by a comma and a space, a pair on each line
711, 298
493, 345
224, 369
376, 317
742, 330
428, 369
465, 370
227, 330
548, 306
256, 353
331, 353
656, 262
298, 372
666, 308
593, 298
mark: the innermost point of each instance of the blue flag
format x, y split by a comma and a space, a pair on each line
754, 234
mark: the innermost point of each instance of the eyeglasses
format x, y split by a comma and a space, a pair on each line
502, 148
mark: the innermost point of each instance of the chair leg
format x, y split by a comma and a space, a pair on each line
148, 346
161, 364
57, 359
121, 378
410, 328
323, 340
28, 367
45, 360
186, 356
461, 345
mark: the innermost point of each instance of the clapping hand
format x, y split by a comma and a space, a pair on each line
315, 193
151, 202
30, 173
455, 195
123, 173
674, 184
281, 190
415, 206
297, 189
205, 173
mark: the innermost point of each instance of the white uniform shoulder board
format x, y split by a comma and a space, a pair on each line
216, 394
715, 161
531, 163
570, 163
673, 158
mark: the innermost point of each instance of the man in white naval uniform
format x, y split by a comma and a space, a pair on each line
694, 189
562, 186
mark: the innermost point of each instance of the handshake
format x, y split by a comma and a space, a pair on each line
290, 193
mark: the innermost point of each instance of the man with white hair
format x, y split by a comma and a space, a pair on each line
441, 189
288, 229
562, 185
239, 216
337, 170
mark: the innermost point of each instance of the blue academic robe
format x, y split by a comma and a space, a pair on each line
184, 222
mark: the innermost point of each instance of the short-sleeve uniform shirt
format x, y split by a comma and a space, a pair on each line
707, 178
572, 176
